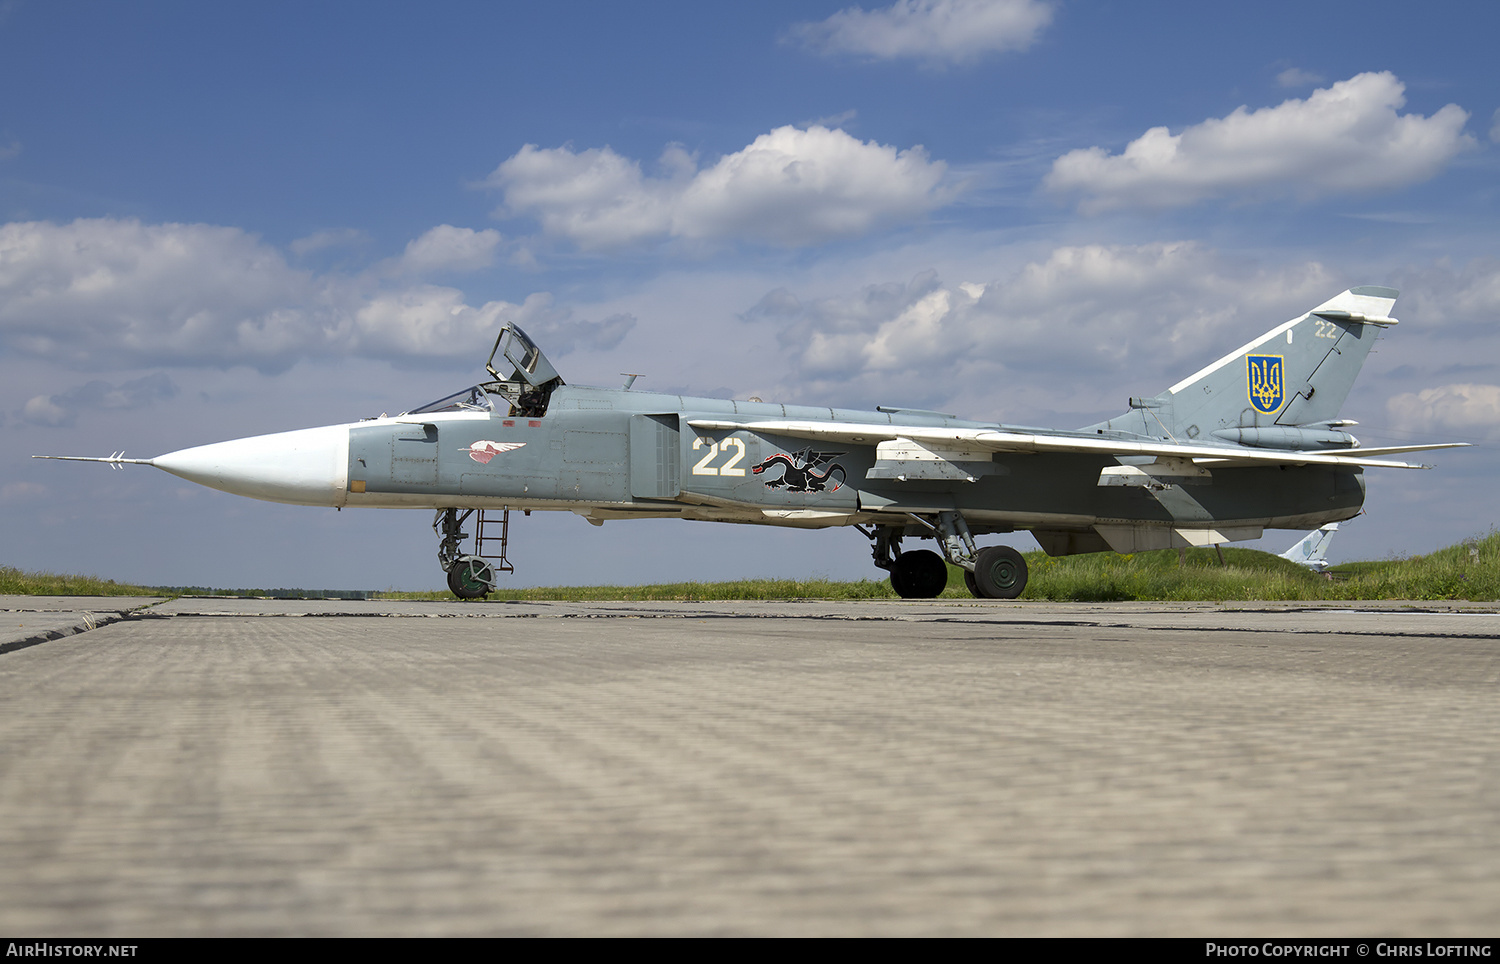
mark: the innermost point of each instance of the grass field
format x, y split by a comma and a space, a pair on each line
1469, 570
15, 582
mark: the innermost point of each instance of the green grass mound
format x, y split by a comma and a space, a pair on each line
14, 582
1469, 570
1107, 577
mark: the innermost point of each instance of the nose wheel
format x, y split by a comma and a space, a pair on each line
471, 577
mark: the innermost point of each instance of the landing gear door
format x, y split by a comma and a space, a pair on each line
655, 457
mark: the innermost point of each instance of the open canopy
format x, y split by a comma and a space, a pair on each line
529, 365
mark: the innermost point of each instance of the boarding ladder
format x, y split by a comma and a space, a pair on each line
481, 537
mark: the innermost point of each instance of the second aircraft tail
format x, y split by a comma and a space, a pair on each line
1312, 550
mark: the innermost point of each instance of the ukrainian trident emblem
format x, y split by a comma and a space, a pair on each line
1265, 382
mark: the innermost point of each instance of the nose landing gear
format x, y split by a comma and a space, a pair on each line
471, 576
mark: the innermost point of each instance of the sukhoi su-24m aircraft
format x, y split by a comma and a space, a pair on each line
1252, 441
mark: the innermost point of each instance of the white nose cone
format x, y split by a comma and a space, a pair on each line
307, 467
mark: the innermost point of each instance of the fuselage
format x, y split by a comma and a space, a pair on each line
617, 454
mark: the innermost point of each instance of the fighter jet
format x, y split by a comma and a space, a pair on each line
1249, 442
1312, 550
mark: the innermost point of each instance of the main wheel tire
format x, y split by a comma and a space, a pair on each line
471, 578
1000, 573
919, 574
973, 586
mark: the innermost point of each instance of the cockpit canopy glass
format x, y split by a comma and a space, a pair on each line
474, 399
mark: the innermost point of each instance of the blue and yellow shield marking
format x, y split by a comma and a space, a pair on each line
1264, 377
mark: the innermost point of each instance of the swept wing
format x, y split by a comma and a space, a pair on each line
960, 440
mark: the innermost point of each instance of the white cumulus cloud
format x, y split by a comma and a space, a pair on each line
107, 293
1297, 77
63, 408
446, 248
1078, 330
935, 31
145, 291
790, 186
1459, 303
1473, 410
1346, 138
332, 238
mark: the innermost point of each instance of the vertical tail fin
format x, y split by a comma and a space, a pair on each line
1282, 390
1312, 550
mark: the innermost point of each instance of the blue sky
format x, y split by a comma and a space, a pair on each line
223, 220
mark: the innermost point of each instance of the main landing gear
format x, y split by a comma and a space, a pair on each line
919, 574
995, 572
999, 573
471, 576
